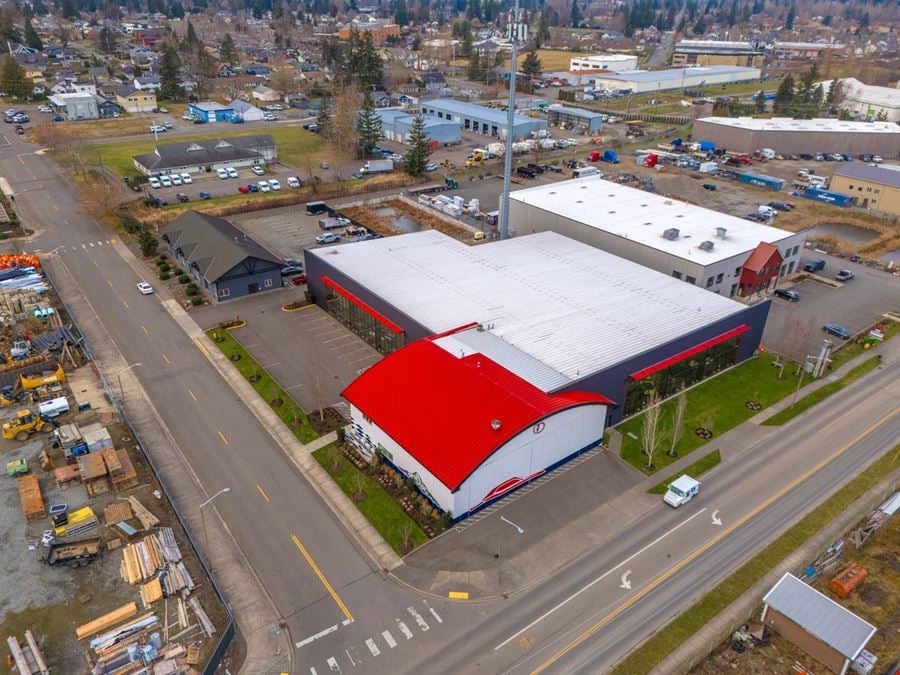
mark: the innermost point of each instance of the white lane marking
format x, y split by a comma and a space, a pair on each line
715, 518
92, 244
84, 247
346, 622
312, 671
99, 243
370, 643
391, 642
407, 633
333, 664
350, 657
320, 634
418, 618
435, 615
626, 582
597, 580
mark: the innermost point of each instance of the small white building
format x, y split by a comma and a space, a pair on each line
869, 101
617, 63
264, 93
246, 111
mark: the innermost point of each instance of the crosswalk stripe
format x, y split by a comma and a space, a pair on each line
391, 642
92, 244
312, 671
99, 243
407, 633
370, 643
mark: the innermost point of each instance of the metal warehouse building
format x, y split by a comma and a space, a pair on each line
649, 81
397, 124
481, 120
507, 358
566, 117
783, 134
714, 251
617, 63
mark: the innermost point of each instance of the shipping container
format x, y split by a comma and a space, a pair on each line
833, 198
761, 181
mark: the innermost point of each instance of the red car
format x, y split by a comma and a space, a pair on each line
243, 189
298, 280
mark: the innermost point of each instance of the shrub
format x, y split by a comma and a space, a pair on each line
164, 275
183, 279
176, 271
164, 267
191, 291
196, 300
148, 243
341, 434
161, 259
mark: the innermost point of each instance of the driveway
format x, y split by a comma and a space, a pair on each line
855, 305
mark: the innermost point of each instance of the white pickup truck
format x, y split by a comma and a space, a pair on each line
681, 491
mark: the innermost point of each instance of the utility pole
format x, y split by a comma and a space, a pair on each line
510, 121
203, 523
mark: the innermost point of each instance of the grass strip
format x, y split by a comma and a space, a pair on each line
290, 413
698, 468
847, 350
379, 507
821, 393
668, 638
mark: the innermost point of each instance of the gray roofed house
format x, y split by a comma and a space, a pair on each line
827, 631
222, 257
196, 156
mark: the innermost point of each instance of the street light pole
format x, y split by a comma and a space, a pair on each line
500, 548
203, 524
119, 378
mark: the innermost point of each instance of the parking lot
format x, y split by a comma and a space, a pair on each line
855, 305
216, 187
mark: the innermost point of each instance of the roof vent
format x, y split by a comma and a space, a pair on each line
671, 234
721, 232
495, 424
707, 246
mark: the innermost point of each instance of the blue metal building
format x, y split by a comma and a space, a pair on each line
396, 125
211, 111
479, 119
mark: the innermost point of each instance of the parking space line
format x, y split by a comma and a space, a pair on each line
262, 492
224, 440
166, 358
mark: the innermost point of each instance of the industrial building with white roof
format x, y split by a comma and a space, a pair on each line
788, 135
720, 253
651, 81
554, 334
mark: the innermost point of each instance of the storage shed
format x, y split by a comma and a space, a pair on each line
565, 117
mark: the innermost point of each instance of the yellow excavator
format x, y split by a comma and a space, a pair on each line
24, 424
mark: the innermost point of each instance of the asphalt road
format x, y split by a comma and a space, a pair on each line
584, 618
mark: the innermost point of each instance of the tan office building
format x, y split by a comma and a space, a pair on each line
715, 53
872, 187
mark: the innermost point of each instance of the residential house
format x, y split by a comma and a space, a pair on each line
434, 83
226, 70
66, 87
148, 37
382, 99
264, 93
136, 101
148, 82
108, 108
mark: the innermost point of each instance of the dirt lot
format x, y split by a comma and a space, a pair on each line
52, 601
877, 601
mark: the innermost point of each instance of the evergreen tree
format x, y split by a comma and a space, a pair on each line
371, 67
760, 100
8, 30
192, 38
575, 17
416, 43
474, 72
227, 50
15, 83
322, 118
368, 126
107, 40
32, 39
417, 149
791, 17
785, 94
169, 81
818, 96
69, 9
532, 65
401, 14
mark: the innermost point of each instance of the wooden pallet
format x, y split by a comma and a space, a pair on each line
117, 512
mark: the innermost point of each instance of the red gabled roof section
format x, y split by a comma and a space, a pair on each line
688, 353
375, 314
762, 256
442, 409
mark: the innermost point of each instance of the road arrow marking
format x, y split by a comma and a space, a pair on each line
626, 584
715, 518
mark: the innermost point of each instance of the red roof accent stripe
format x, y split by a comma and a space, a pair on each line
440, 408
688, 353
378, 316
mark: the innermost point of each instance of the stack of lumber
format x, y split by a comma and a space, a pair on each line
165, 540
109, 645
140, 561
66, 476
205, 623
151, 592
93, 473
193, 654
117, 512
121, 470
105, 621
30, 498
176, 578
148, 520
27, 657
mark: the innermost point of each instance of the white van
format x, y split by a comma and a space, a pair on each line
681, 491
768, 153
293, 181
584, 171
222, 174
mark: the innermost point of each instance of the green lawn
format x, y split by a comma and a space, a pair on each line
652, 652
291, 413
379, 507
718, 404
694, 470
821, 393
296, 147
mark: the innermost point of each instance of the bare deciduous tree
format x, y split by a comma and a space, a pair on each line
650, 432
678, 422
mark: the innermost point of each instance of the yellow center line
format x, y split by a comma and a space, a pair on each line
144, 328
166, 358
192, 394
712, 542
262, 492
202, 348
224, 440
315, 568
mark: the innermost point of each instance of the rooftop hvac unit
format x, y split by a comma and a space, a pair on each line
707, 246
721, 232
671, 234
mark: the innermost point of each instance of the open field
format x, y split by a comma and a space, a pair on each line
126, 125
296, 147
551, 59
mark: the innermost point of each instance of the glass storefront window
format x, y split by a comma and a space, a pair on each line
372, 331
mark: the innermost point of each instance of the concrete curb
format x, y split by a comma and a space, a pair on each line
371, 542
701, 644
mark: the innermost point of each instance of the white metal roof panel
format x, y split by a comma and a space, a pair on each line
643, 217
681, 73
572, 307
819, 615
816, 125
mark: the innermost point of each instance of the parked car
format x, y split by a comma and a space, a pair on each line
805, 156
166, 181
814, 265
294, 182
182, 197
865, 157
819, 157
787, 294
21, 118
431, 167
186, 178
222, 174
163, 109
877, 159
781, 206
45, 109
232, 172
199, 121
847, 158
328, 238
269, 117
263, 186
176, 179
709, 186
288, 270
844, 275
145, 288
58, 118
205, 195
298, 280
258, 170
157, 129
274, 184
837, 330
154, 182
20, 129
243, 189
253, 187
